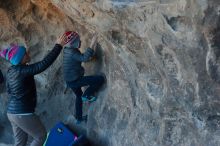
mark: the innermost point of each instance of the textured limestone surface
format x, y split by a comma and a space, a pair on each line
160, 58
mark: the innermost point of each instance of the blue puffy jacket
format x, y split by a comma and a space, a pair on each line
72, 62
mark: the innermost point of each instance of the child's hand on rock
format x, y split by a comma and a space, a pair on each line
94, 41
94, 58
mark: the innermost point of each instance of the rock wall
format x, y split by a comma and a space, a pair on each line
160, 58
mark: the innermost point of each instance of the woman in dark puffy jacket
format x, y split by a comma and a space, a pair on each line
22, 92
74, 72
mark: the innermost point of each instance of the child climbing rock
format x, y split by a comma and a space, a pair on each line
22, 92
74, 72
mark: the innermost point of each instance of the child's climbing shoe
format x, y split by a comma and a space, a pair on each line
84, 98
92, 98
79, 121
89, 99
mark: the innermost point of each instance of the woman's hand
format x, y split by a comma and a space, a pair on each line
62, 40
